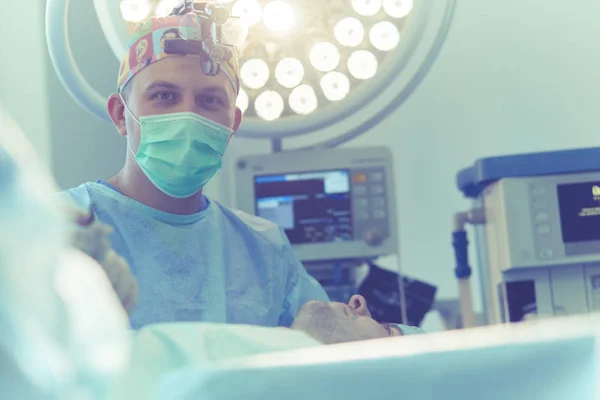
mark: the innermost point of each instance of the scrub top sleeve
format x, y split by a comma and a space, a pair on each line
301, 288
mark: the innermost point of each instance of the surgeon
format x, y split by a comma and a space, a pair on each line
194, 259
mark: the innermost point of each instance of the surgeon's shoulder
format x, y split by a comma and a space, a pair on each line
253, 225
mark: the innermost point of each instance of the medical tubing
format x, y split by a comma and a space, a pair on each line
462, 271
461, 243
64, 63
466, 303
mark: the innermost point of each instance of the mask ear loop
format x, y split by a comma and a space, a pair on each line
128, 109
136, 120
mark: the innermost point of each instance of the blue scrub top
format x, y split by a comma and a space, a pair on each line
218, 265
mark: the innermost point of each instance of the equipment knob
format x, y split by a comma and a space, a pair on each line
220, 53
217, 12
374, 237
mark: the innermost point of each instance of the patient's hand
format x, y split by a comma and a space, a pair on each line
91, 237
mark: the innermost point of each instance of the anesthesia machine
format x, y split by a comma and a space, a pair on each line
537, 227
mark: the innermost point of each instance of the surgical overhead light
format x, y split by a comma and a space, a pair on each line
335, 85
349, 32
164, 7
323, 59
294, 42
362, 64
249, 11
135, 10
397, 8
255, 73
367, 8
242, 101
278, 16
384, 36
303, 100
269, 105
325, 56
235, 31
289, 72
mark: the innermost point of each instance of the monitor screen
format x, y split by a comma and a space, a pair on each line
579, 207
312, 207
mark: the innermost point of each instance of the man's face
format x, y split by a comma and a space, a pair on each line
177, 84
338, 322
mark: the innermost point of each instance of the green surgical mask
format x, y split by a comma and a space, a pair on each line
180, 152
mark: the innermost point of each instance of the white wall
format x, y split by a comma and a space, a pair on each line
84, 147
23, 90
515, 76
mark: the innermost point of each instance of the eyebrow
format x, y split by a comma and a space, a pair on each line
161, 85
217, 89
171, 86
214, 89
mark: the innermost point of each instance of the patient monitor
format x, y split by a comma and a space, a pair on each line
333, 204
540, 245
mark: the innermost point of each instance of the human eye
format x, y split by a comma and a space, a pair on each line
164, 96
213, 101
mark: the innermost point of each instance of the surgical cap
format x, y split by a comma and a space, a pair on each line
147, 42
